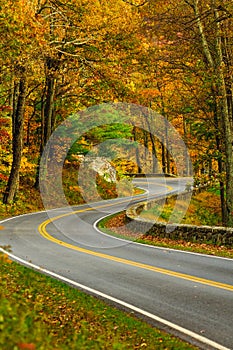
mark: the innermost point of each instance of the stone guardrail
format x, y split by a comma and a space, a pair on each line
191, 233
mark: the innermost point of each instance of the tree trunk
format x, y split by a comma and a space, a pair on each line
139, 166
166, 163
145, 144
217, 60
163, 148
226, 119
154, 153
187, 171
220, 162
168, 160
153, 145
47, 111
20, 91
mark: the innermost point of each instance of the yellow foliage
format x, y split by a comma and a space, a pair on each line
27, 165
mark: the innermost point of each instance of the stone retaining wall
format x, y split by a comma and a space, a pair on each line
191, 233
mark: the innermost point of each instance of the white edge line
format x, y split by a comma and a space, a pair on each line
120, 302
95, 225
117, 238
69, 207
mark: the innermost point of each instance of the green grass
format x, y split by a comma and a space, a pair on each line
38, 312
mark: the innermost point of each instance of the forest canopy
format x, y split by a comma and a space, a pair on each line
61, 57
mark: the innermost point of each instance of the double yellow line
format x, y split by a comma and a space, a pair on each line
43, 231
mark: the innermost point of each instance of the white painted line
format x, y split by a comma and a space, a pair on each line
70, 208
174, 326
117, 238
21, 215
95, 225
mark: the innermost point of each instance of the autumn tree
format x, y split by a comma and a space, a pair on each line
213, 23
90, 44
21, 41
192, 42
73, 54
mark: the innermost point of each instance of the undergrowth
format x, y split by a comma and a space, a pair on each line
38, 312
204, 209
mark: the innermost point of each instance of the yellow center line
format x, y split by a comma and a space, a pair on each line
43, 231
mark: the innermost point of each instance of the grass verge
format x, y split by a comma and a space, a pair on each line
38, 312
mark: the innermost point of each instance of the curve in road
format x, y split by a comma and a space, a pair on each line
187, 294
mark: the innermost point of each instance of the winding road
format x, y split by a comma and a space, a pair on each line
187, 294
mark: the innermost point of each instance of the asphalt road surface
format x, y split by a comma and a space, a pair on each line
187, 294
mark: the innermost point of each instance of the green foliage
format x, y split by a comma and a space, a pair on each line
109, 139
215, 190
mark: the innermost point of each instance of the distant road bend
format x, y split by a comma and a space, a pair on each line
187, 294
